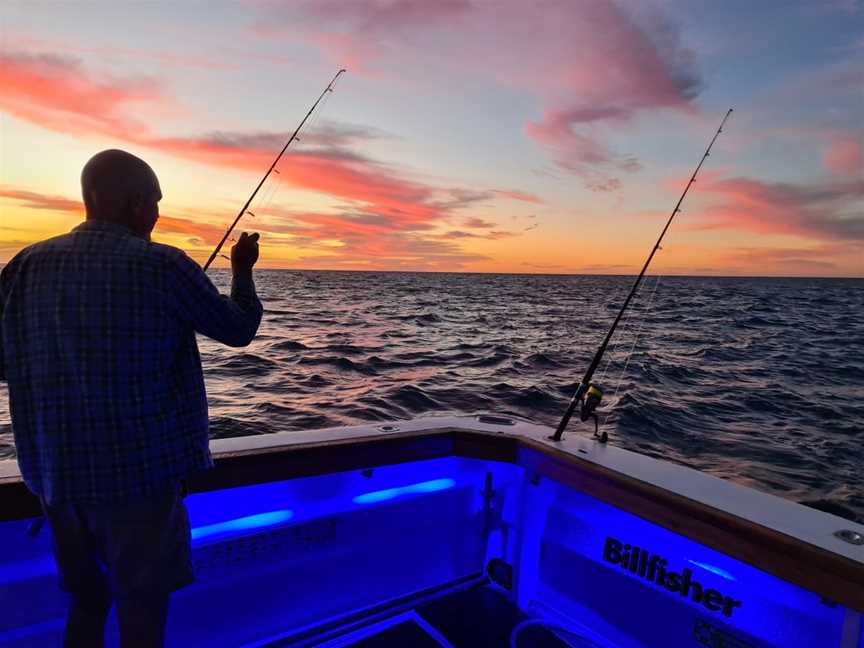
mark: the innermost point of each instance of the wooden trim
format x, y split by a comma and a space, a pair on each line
308, 460
830, 575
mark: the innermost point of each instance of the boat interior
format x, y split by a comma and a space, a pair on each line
471, 532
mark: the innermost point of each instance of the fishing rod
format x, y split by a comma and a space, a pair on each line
245, 209
589, 395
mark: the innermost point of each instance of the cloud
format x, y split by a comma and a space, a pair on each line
610, 268
830, 211
205, 232
844, 157
818, 259
385, 15
33, 200
382, 211
637, 64
479, 223
519, 195
326, 134
339, 134
397, 251
543, 266
593, 66
493, 235
360, 34
604, 185
115, 54
56, 92
166, 224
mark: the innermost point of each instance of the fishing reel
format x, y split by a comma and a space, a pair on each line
587, 404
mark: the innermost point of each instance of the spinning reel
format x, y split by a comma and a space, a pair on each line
587, 404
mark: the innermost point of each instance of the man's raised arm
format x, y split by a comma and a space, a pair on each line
231, 320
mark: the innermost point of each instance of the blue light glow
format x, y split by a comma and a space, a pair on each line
714, 570
430, 486
241, 524
391, 493
377, 496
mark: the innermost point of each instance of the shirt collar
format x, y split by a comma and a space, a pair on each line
93, 225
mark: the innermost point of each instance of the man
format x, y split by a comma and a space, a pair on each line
107, 395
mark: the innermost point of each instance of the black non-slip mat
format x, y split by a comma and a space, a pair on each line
402, 635
483, 617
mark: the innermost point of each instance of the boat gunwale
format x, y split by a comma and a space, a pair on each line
834, 576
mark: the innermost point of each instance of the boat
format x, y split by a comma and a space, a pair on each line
472, 532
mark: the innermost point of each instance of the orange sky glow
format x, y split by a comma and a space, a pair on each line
442, 149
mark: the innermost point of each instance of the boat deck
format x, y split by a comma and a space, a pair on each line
478, 616
458, 532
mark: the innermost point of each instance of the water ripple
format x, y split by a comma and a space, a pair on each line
760, 381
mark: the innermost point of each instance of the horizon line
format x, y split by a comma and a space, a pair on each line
561, 274
551, 274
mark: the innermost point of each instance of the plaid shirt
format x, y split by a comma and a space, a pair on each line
98, 346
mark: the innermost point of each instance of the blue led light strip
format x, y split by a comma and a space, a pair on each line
258, 521
391, 493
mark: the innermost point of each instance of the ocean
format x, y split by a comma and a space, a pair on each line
756, 380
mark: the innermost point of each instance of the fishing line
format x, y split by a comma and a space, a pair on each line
317, 117
269, 194
268, 200
645, 312
619, 340
244, 210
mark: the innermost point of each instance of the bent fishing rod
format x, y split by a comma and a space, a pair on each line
589, 395
245, 208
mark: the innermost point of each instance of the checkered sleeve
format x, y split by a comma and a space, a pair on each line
2, 352
4, 282
231, 320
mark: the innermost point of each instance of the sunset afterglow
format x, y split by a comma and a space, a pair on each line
549, 137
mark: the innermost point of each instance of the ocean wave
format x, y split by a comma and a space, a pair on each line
754, 380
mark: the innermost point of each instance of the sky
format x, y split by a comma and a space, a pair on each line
466, 135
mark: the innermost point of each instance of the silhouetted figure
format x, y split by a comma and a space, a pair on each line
107, 395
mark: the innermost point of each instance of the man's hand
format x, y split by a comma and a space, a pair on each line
244, 254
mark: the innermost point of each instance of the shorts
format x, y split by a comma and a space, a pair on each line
137, 547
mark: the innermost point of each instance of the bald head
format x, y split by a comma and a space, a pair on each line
121, 188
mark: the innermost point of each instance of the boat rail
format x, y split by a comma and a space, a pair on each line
798, 544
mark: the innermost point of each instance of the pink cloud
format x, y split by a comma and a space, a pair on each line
845, 157
478, 223
592, 65
821, 259
34, 200
519, 195
168, 224
59, 94
828, 212
360, 34
206, 232
367, 240
460, 234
